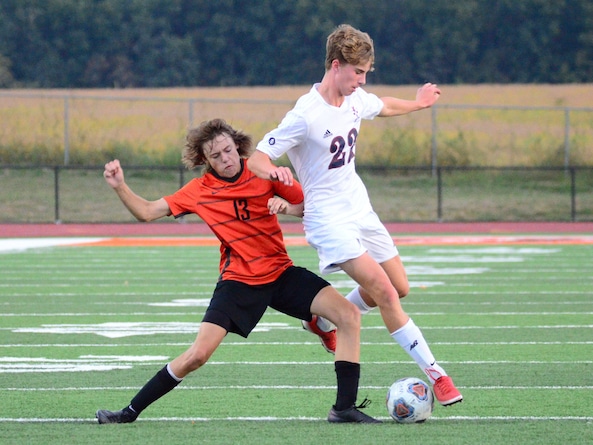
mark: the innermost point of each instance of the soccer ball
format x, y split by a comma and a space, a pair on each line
410, 400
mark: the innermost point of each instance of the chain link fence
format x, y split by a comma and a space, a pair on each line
82, 129
80, 195
450, 163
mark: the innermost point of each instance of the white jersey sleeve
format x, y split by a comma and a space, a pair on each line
292, 132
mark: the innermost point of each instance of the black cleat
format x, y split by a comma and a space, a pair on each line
125, 415
351, 415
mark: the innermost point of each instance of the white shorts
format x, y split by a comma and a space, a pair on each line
338, 243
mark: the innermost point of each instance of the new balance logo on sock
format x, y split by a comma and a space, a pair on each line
327, 134
413, 345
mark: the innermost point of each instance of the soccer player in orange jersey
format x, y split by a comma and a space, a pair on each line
255, 269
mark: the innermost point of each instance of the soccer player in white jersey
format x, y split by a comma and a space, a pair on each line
319, 136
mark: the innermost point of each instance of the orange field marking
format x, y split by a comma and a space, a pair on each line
172, 242
300, 241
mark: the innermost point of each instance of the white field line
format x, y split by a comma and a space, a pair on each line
294, 343
290, 387
20, 244
299, 419
408, 300
161, 314
325, 363
424, 328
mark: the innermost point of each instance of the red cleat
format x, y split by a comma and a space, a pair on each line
445, 391
328, 339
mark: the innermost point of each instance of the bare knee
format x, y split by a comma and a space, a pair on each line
350, 317
394, 269
402, 291
381, 293
345, 316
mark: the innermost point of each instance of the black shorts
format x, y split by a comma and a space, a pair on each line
238, 307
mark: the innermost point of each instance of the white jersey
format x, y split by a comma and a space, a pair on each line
320, 141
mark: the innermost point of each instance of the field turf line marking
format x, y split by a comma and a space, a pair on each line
300, 419
294, 343
294, 387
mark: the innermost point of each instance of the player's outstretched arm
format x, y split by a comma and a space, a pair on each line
426, 97
261, 165
142, 209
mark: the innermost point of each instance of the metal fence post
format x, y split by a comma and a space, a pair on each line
66, 130
190, 115
434, 153
439, 195
181, 176
181, 170
566, 137
57, 194
573, 195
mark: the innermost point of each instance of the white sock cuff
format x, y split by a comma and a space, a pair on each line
324, 324
407, 333
171, 373
355, 298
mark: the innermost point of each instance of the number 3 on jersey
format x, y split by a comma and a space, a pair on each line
339, 149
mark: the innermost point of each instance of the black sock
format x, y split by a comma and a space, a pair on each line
154, 389
348, 375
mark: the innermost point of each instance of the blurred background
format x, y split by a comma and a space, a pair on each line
85, 81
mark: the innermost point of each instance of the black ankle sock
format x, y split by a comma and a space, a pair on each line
348, 375
154, 389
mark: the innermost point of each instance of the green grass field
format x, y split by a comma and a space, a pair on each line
84, 328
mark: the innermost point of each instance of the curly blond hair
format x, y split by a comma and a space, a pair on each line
197, 138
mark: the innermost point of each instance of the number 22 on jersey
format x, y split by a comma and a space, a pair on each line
342, 148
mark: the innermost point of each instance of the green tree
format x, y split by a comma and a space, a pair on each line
160, 43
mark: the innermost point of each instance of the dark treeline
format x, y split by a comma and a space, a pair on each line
163, 43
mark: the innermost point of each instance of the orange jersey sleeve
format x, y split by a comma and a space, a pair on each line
252, 247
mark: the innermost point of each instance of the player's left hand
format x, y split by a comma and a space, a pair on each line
277, 205
428, 94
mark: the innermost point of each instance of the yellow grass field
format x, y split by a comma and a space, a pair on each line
472, 124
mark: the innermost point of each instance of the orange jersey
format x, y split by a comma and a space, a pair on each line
252, 247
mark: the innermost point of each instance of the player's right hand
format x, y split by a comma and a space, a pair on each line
282, 174
113, 173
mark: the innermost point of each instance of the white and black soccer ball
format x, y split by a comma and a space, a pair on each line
410, 400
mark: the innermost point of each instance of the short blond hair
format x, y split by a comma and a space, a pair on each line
349, 45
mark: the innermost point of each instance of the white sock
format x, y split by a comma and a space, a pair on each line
355, 297
410, 338
324, 324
